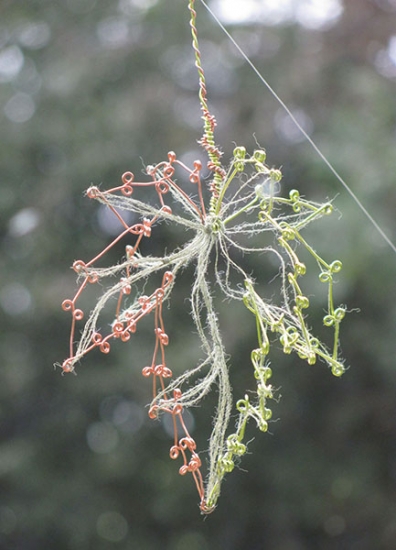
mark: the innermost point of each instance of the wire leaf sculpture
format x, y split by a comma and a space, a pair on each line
242, 204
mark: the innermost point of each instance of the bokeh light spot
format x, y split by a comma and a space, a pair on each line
23, 222
102, 437
188, 418
287, 128
80, 6
334, 525
318, 14
15, 299
20, 108
11, 62
112, 32
128, 6
8, 520
191, 540
110, 224
112, 526
35, 35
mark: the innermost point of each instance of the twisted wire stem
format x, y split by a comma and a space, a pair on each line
207, 141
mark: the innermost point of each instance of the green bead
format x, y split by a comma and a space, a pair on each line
339, 314
240, 449
226, 465
267, 414
325, 277
328, 320
267, 373
287, 232
336, 266
239, 153
302, 302
275, 175
260, 155
243, 404
263, 426
300, 268
314, 343
311, 359
338, 369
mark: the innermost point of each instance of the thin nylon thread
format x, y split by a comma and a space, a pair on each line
304, 133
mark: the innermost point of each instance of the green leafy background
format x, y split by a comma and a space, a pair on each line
90, 89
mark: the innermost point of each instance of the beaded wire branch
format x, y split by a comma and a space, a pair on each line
242, 204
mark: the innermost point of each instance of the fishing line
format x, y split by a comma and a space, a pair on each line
301, 129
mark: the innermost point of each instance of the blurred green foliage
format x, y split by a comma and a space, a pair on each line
90, 89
